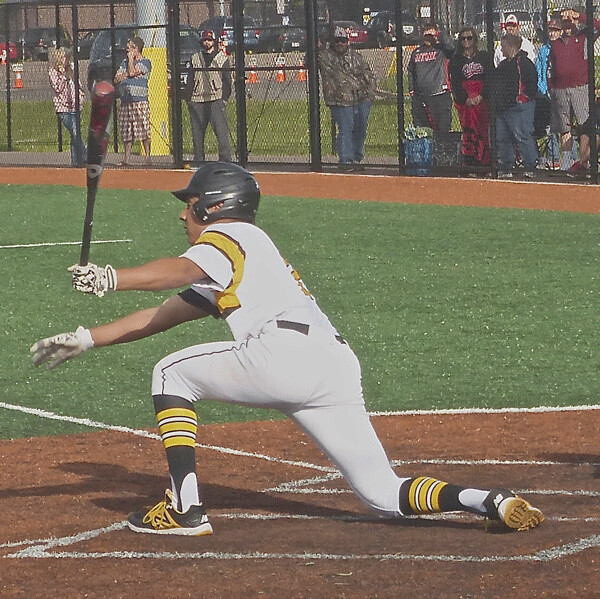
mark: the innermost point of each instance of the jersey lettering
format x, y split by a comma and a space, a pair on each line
297, 278
227, 300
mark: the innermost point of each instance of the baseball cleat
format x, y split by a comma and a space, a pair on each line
164, 519
512, 510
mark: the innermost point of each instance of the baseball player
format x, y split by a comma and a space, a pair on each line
286, 355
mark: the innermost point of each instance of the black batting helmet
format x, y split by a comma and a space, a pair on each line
216, 182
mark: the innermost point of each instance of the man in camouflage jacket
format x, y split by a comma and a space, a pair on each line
349, 89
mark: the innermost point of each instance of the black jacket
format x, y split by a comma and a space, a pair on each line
515, 82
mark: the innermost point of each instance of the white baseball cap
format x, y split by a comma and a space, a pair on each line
512, 19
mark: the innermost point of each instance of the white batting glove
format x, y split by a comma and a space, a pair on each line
55, 350
94, 279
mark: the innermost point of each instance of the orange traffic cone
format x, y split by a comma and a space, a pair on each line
253, 75
301, 72
18, 76
280, 62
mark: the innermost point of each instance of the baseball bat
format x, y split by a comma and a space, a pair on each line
103, 97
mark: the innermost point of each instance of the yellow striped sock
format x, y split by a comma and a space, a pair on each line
424, 494
177, 427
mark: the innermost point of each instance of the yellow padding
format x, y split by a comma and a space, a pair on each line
178, 442
176, 412
178, 426
424, 494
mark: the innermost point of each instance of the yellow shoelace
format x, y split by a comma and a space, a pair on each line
158, 517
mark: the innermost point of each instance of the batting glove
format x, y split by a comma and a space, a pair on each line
94, 279
55, 350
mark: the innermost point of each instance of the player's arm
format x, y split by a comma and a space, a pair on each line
137, 325
159, 275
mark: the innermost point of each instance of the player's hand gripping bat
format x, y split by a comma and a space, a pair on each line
103, 97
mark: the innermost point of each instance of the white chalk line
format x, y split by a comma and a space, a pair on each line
230, 451
54, 243
41, 550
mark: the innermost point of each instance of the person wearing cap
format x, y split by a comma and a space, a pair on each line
428, 82
513, 27
134, 109
569, 82
207, 91
348, 89
543, 71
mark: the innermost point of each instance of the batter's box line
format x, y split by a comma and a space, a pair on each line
41, 551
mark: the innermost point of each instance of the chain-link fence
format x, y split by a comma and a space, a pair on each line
448, 106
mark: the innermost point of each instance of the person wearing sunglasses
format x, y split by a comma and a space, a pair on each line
569, 82
348, 89
470, 70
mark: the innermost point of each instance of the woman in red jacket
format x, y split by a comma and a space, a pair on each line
469, 74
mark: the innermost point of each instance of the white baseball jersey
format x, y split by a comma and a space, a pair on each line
250, 283
285, 355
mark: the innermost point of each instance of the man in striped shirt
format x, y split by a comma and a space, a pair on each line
134, 111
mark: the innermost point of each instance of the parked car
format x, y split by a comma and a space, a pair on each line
526, 23
281, 38
357, 34
381, 30
223, 28
33, 43
101, 65
12, 48
84, 45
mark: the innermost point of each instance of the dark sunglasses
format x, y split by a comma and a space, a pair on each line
341, 41
466, 37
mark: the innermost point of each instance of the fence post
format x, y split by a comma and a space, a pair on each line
400, 85
8, 105
490, 39
57, 34
174, 50
240, 81
593, 116
314, 112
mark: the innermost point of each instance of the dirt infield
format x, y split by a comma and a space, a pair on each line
285, 524
424, 190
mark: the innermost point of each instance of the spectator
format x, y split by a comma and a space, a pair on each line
470, 70
542, 66
62, 81
515, 88
209, 90
134, 110
349, 89
569, 83
513, 27
428, 81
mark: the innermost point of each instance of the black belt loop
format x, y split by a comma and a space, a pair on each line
302, 328
293, 326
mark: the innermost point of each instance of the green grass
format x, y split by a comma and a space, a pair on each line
446, 307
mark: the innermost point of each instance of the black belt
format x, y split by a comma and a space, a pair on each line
300, 327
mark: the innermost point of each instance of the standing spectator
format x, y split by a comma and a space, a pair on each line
134, 110
515, 88
62, 81
569, 83
513, 27
470, 70
349, 89
428, 81
209, 90
543, 66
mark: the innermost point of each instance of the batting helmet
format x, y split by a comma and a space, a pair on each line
216, 182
